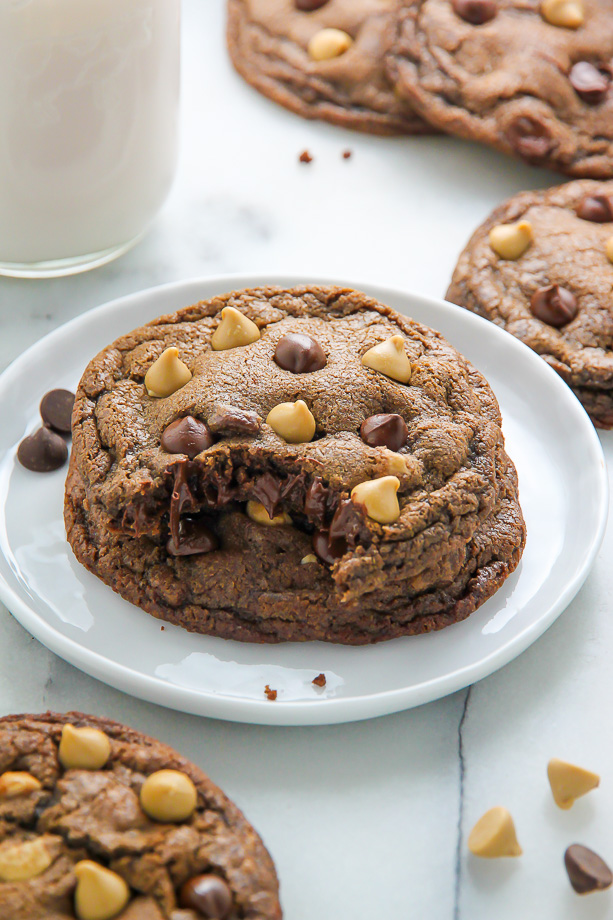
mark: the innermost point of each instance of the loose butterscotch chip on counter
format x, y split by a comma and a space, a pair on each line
16, 783
100, 894
258, 513
568, 14
389, 358
569, 782
83, 748
379, 498
510, 241
329, 43
294, 422
24, 860
168, 796
167, 375
234, 331
494, 835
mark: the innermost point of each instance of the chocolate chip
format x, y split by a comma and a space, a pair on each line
347, 524
56, 410
267, 490
42, 451
328, 550
307, 6
598, 208
475, 11
317, 502
529, 137
586, 870
554, 305
194, 538
299, 354
588, 82
208, 895
186, 436
229, 420
387, 430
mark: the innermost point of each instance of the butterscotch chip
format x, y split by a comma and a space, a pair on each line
389, 358
329, 43
494, 835
308, 559
168, 796
24, 860
569, 14
510, 241
609, 249
83, 748
14, 784
167, 375
379, 498
258, 513
100, 894
294, 422
234, 331
569, 782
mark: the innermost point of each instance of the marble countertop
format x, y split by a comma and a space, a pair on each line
367, 819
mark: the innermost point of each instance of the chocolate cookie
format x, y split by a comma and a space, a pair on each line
532, 79
554, 293
100, 822
313, 466
323, 59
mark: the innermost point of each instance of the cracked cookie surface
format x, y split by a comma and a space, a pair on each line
95, 814
512, 79
135, 512
269, 40
569, 252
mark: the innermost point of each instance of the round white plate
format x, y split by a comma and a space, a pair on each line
563, 491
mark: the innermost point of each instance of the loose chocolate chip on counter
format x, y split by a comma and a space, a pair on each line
327, 549
299, 354
56, 410
597, 208
305, 157
186, 435
208, 895
43, 451
270, 694
386, 430
229, 420
194, 538
529, 137
586, 870
320, 680
475, 11
554, 305
588, 82
308, 6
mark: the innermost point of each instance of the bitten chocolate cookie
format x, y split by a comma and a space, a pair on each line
323, 59
292, 464
530, 78
541, 267
100, 822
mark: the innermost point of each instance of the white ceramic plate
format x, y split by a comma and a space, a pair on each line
563, 491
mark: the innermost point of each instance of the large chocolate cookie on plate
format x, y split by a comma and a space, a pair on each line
295, 464
555, 292
530, 78
323, 59
100, 822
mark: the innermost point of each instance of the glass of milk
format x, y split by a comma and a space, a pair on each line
89, 96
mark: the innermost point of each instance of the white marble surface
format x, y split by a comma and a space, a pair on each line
370, 819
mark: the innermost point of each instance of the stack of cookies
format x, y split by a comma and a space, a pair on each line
528, 77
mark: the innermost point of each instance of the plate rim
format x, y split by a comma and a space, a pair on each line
306, 712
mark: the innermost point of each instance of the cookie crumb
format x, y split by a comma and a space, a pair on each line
347, 154
270, 694
162, 628
305, 157
320, 680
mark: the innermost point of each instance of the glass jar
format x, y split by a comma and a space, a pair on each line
89, 97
